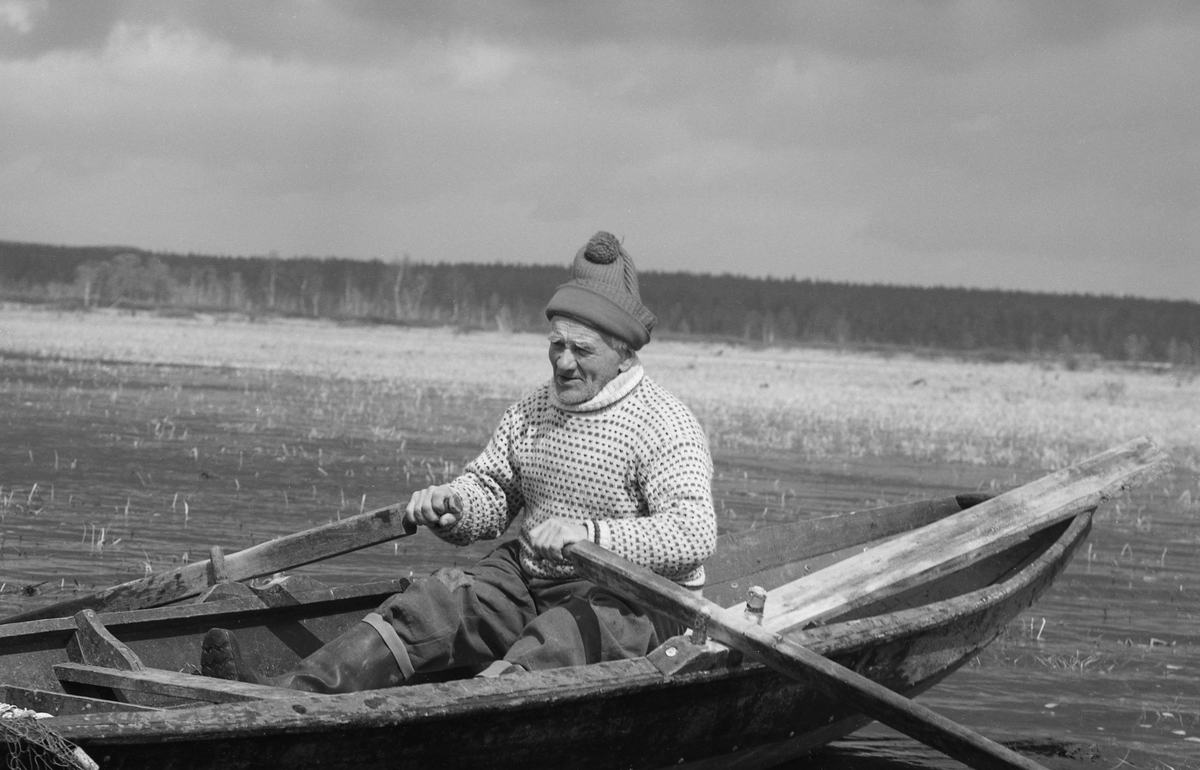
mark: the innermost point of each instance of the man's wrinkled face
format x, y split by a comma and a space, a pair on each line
584, 362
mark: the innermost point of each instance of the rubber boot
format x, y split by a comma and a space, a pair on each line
357, 660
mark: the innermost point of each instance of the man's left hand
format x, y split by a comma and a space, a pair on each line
553, 535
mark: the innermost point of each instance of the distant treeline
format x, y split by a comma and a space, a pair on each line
512, 297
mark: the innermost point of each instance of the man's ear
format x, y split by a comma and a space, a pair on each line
627, 361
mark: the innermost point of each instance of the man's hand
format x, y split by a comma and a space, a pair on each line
553, 535
437, 507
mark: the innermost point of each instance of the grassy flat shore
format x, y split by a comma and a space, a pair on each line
816, 403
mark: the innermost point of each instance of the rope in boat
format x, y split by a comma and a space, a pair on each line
30, 745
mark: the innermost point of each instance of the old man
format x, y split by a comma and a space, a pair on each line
601, 453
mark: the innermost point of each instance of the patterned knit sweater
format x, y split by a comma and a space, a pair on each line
632, 464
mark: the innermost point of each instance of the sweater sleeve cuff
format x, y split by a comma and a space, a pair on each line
602, 534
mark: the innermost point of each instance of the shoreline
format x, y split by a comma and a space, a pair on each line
819, 404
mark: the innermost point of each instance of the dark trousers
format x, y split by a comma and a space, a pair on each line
493, 611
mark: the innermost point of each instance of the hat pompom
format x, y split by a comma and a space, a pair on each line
603, 292
602, 249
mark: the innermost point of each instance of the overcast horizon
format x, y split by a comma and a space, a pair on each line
1012, 145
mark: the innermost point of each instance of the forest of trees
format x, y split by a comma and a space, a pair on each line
512, 297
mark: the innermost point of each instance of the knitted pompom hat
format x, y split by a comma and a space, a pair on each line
603, 292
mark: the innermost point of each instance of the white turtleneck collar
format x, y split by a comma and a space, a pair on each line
616, 389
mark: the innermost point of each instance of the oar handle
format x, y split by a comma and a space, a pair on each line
283, 553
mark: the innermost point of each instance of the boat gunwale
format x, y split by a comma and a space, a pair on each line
830, 638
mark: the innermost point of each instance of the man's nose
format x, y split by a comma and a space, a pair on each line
565, 362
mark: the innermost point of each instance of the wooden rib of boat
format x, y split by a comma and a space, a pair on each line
121, 684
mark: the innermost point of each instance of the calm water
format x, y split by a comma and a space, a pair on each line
107, 472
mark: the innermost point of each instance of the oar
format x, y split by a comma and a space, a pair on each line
793, 660
282, 553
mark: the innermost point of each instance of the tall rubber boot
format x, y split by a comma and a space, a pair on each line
357, 660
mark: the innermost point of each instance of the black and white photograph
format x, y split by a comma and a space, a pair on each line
453, 384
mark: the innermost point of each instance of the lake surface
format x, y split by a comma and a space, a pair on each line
112, 471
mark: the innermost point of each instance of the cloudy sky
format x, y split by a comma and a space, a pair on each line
1028, 145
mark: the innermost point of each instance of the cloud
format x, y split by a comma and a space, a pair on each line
17, 16
974, 142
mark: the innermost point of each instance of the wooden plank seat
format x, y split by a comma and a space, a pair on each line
63, 704
103, 666
172, 684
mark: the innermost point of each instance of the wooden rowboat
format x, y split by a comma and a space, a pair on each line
120, 687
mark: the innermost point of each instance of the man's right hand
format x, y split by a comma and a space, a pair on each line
436, 507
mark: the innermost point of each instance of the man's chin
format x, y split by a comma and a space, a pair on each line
570, 394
